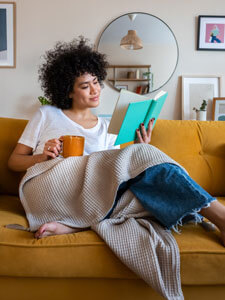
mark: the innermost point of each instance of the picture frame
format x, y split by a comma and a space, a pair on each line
195, 89
218, 109
7, 34
211, 33
120, 87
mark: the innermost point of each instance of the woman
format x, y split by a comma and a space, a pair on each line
71, 78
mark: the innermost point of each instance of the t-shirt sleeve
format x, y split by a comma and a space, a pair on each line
31, 133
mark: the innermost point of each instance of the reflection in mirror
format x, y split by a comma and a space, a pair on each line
141, 70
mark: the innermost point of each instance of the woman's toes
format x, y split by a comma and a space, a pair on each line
42, 231
54, 228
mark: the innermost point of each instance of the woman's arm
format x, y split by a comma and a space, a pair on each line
22, 156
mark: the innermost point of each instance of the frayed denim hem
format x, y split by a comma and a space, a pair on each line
195, 218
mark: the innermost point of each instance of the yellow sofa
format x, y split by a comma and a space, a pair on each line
81, 266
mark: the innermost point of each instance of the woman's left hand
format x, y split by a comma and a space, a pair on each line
143, 135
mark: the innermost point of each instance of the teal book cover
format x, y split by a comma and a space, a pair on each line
137, 113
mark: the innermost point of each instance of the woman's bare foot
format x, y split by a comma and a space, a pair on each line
54, 228
216, 214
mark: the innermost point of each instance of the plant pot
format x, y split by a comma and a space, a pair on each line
201, 115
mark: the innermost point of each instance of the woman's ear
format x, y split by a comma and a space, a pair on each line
71, 95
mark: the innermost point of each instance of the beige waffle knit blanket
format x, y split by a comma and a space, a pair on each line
80, 191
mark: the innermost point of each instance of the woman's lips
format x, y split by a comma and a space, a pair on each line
95, 98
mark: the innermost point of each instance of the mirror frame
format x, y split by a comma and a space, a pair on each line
175, 67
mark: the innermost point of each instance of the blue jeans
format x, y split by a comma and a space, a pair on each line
169, 193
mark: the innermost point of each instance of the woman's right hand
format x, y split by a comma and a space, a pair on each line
52, 148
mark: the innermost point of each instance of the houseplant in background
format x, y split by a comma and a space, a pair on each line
43, 100
201, 112
146, 75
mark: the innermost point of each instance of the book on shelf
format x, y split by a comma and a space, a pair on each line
139, 89
130, 111
142, 89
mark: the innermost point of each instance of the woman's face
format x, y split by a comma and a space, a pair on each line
86, 92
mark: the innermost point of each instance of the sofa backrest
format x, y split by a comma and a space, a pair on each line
199, 146
10, 131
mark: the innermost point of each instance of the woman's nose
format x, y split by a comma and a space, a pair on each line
93, 89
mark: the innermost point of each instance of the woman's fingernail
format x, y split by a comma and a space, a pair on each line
142, 124
138, 130
153, 119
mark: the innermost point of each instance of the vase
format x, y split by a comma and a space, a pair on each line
201, 115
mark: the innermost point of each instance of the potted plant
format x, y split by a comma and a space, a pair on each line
146, 75
43, 100
201, 112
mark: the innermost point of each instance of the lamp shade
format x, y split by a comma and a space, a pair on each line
131, 41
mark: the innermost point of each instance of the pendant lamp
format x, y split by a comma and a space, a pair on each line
131, 41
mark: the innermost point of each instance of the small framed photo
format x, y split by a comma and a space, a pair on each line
7, 34
211, 33
218, 109
196, 88
120, 87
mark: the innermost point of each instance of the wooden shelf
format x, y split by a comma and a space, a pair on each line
129, 66
118, 75
128, 79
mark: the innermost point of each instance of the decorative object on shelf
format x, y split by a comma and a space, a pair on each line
7, 35
120, 87
149, 55
201, 113
146, 75
131, 74
194, 89
218, 109
211, 33
137, 74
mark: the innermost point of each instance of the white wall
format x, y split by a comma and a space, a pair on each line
41, 23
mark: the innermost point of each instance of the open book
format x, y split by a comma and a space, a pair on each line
130, 111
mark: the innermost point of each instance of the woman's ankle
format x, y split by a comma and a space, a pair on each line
215, 213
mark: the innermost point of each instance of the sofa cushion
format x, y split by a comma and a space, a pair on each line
85, 255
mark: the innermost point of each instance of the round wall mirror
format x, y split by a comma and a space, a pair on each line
142, 52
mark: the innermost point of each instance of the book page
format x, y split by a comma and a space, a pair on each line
125, 97
160, 94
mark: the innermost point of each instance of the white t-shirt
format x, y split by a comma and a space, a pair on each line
50, 122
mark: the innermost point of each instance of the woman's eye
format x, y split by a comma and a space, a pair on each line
84, 87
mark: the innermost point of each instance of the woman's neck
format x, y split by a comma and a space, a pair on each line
85, 118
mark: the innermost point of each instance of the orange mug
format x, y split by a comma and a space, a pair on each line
73, 145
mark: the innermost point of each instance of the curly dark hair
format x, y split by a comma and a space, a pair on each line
63, 64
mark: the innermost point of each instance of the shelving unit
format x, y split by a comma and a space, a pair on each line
114, 78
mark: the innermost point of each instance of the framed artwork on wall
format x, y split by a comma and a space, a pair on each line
218, 109
7, 34
195, 89
211, 33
